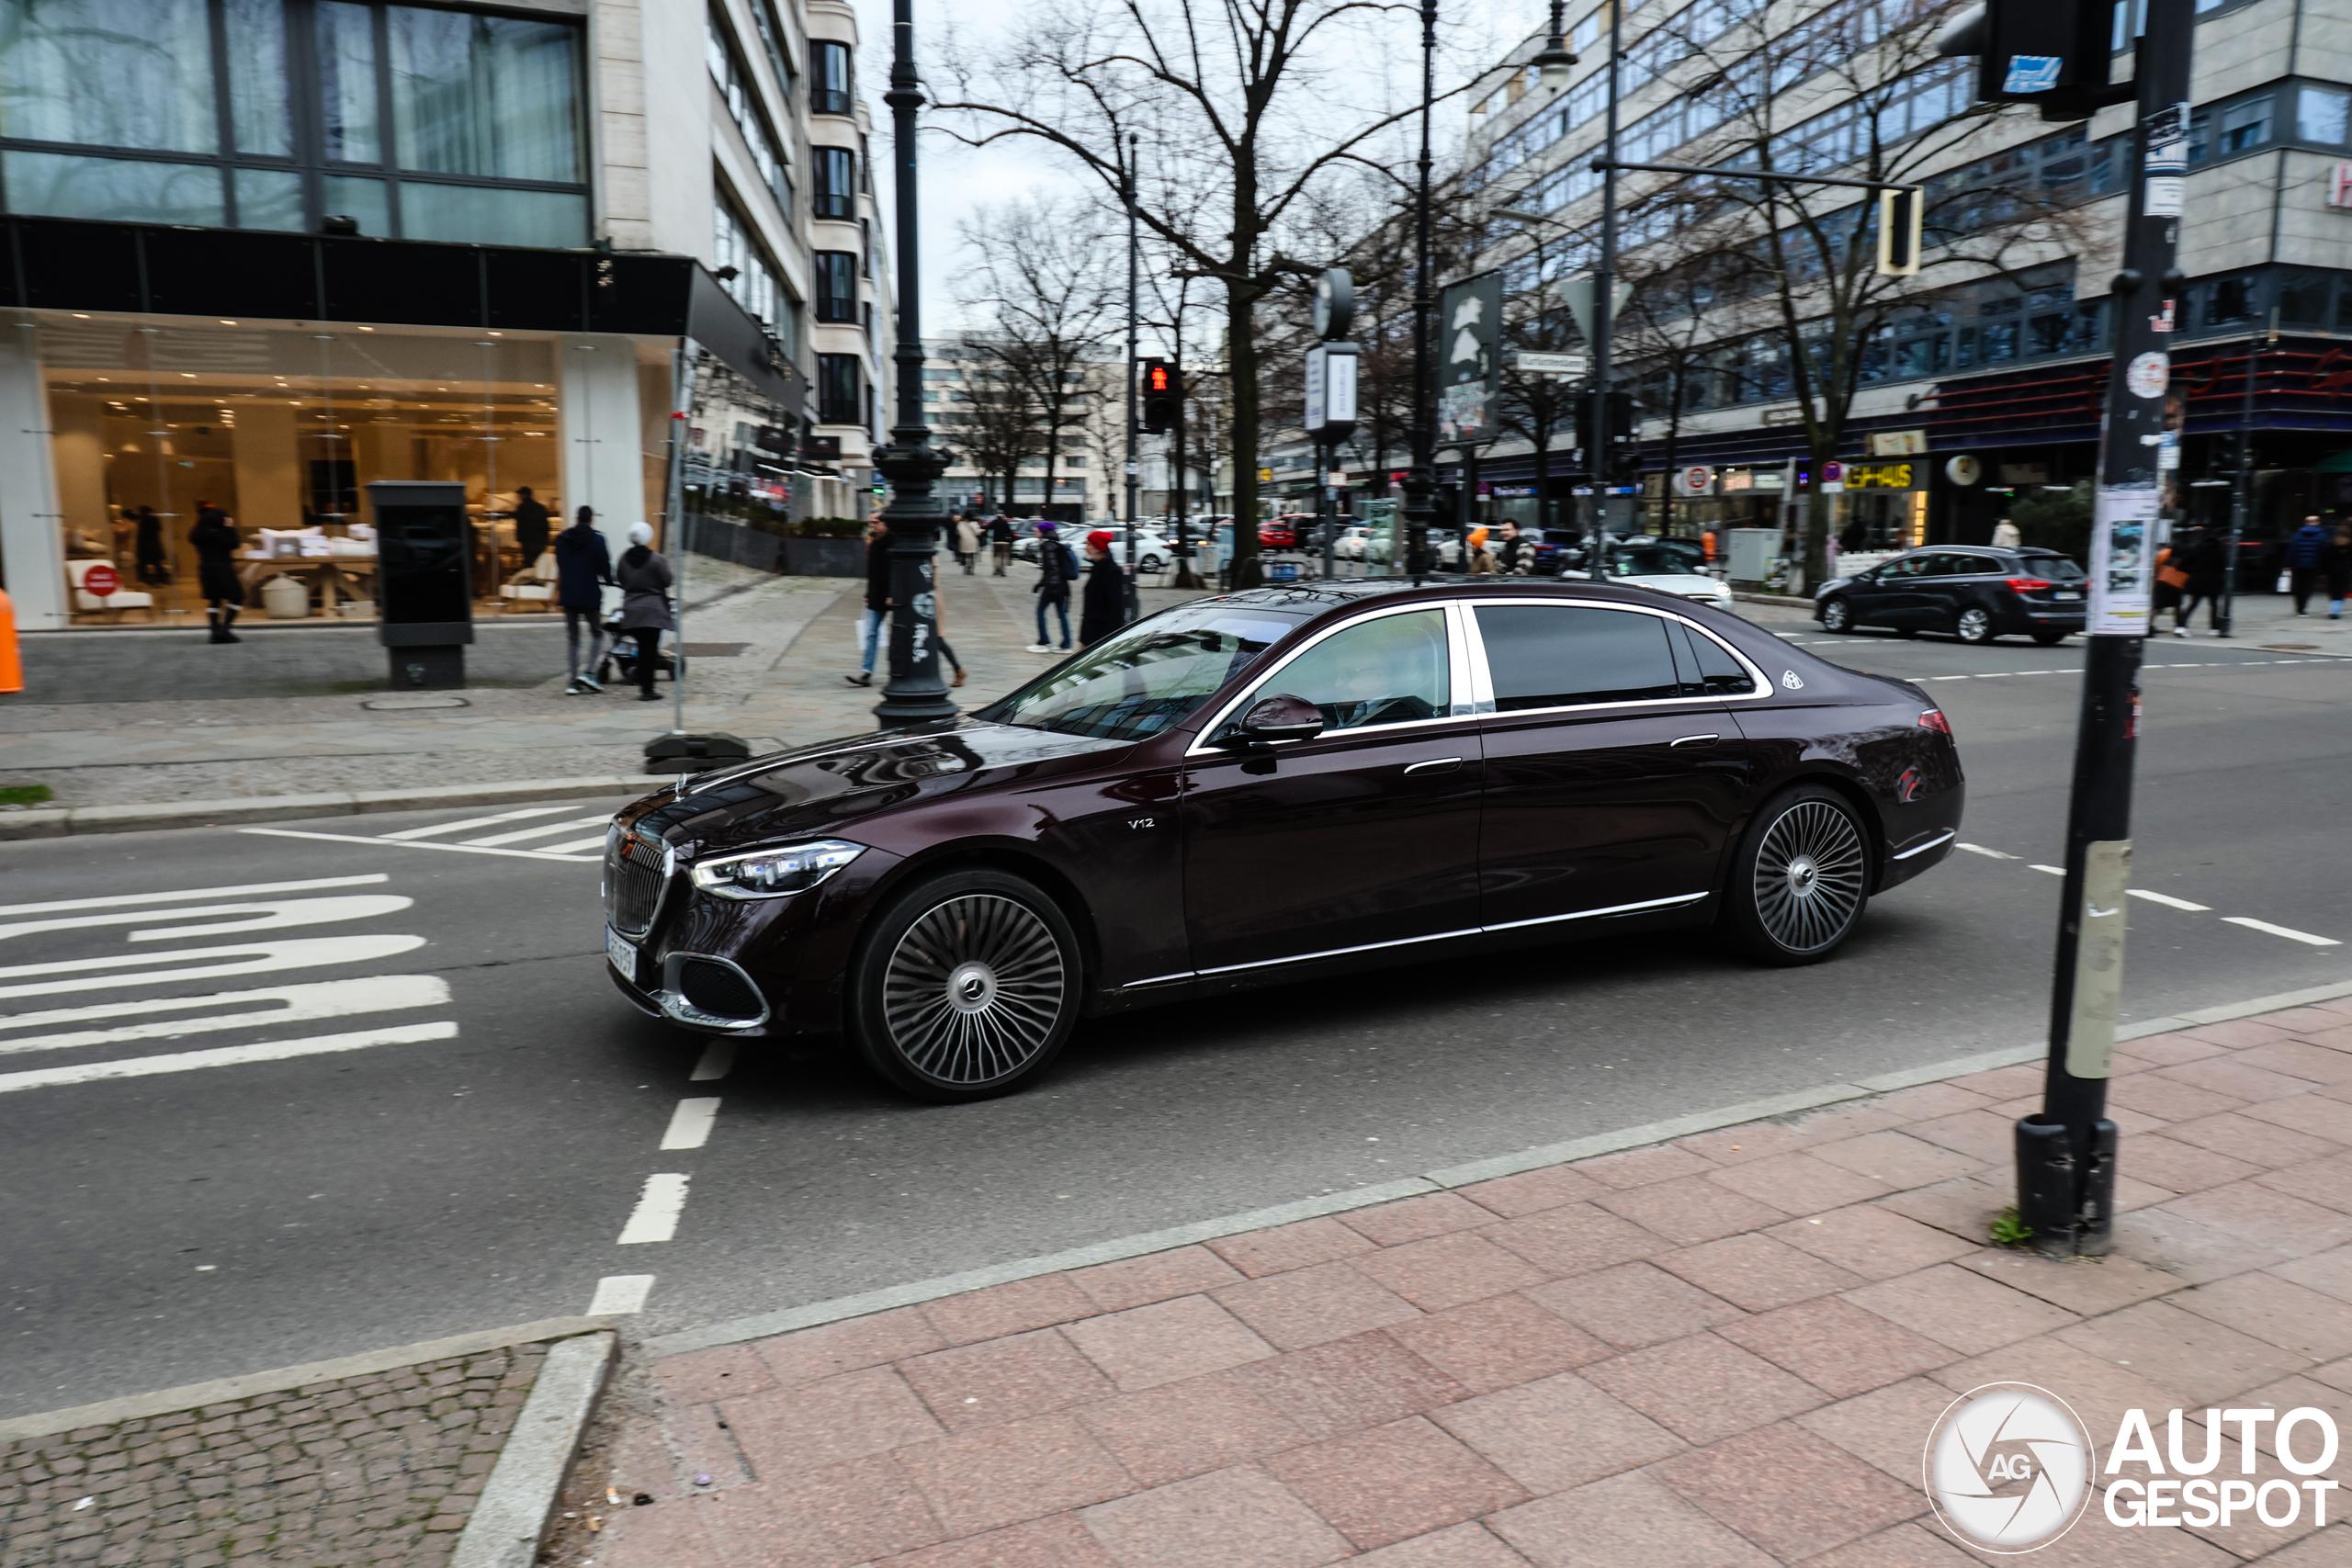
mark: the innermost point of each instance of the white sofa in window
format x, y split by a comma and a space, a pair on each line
112, 604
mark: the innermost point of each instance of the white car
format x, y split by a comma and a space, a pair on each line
1154, 550
1669, 571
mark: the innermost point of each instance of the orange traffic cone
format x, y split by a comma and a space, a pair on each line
12, 668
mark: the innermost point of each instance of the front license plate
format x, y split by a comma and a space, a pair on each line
2065, 594
622, 953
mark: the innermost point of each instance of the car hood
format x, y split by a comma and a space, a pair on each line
823, 788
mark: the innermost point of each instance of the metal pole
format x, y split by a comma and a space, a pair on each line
673, 532
2067, 1153
1326, 507
2241, 494
1135, 410
915, 696
1420, 478
1179, 478
1602, 459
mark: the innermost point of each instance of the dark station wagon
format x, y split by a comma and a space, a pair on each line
1273, 785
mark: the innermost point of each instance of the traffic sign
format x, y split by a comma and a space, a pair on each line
1531, 363
103, 580
1833, 478
1696, 479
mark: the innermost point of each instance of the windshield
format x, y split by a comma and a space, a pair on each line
1648, 560
1147, 676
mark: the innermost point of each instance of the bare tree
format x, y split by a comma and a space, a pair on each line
1238, 118
1001, 427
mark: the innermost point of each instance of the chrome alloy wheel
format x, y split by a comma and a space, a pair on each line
973, 989
1975, 624
1809, 873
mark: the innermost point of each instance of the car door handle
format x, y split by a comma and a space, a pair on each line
1434, 765
1698, 740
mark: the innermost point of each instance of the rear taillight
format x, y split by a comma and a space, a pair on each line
1934, 720
2028, 584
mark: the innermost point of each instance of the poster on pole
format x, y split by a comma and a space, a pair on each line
1469, 345
2122, 564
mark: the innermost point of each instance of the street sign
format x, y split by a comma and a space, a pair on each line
1528, 362
1833, 478
1576, 294
1696, 479
103, 580
1331, 391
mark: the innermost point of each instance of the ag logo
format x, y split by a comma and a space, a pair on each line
1789, 678
2008, 1468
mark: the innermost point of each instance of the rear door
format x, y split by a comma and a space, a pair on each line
1960, 579
1614, 773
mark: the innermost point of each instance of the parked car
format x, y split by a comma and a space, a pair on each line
1975, 593
1350, 544
1653, 563
1276, 785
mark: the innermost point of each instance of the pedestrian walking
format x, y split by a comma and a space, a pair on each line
1000, 543
871, 623
644, 579
2005, 536
2335, 566
1103, 609
2305, 549
2206, 566
967, 542
2171, 579
1056, 571
530, 526
148, 543
215, 538
583, 566
1513, 557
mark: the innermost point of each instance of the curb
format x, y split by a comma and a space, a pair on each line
61, 822
107, 1411
511, 1513
760, 1326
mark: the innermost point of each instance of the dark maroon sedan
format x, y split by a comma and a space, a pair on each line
1274, 786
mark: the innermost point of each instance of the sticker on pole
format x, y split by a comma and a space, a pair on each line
2148, 375
2123, 575
2033, 73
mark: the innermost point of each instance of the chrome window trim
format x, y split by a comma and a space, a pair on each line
1199, 747
1762, 688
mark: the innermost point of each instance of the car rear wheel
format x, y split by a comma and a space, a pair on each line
2050, 640
966, 986
1974, 624
1837, 615
1801, 880
1148, 563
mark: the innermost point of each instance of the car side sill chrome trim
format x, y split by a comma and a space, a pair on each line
1675, 902
1932, 843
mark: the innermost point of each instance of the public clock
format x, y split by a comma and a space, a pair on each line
1335, 304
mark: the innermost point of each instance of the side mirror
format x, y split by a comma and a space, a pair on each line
1278, 718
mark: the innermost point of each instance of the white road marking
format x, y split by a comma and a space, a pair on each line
718, 1061
574, 847
2053, 870
297, 1004
541, 831
2170, 902
470, 822
621, 1295
690, 1124
267, 915
655, 1218
412, 844
117, 900
232, 1055
2288, 932
1989, 854
252, 958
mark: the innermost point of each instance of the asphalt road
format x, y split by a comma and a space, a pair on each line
470, 1157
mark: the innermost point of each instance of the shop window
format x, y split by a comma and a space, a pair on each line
830, 90
836, 286
2302, 298
836, 184
841, 390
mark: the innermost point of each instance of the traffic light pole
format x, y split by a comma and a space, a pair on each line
1602, 463
1421, 478
2067, 1153
1135, 420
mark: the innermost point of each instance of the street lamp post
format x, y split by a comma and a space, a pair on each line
1601, 461
915, 696
2241, 493
1421, 478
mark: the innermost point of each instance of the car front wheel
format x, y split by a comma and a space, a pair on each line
1975, 626
1837, 615
1801, 880
1148, 563
966, 985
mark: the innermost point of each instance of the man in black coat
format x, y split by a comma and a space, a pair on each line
1103, 608
530, 526
582, 566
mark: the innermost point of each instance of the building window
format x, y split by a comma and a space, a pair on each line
836, 186
2245, 125
837, 287
841, 390
734, 83
755, 285
419, 123
831, 88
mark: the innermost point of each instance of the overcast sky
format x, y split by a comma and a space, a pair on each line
958, 181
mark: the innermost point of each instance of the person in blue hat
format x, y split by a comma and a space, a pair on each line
1057, 570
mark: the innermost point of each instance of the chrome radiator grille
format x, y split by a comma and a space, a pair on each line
636, 871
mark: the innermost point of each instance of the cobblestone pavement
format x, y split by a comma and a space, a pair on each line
382, 1469
1724, 1351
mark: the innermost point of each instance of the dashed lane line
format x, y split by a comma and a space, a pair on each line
690, 1124
1989, 854
2169, 902
655, 1218
227, 1056
2288, 932
619, 1295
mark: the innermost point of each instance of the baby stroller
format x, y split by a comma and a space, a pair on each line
620, 662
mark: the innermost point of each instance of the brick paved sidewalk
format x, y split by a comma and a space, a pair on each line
377, 1469
1721, 1352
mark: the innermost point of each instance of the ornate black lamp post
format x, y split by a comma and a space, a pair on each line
1421, 479
916, 695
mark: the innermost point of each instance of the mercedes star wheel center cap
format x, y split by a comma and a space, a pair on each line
971, 987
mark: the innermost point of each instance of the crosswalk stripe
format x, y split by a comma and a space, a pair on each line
471, 822
268, 915
118, 900
415, 844
574, 847
232, 1055
541, 831
293, 1004
250, 958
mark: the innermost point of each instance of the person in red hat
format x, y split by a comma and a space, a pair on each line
1104, 608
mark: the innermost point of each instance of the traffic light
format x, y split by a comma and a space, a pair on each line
1609, 457
2050, 52
1163, 396
1900, 218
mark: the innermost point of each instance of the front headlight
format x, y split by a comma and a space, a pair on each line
772, 874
